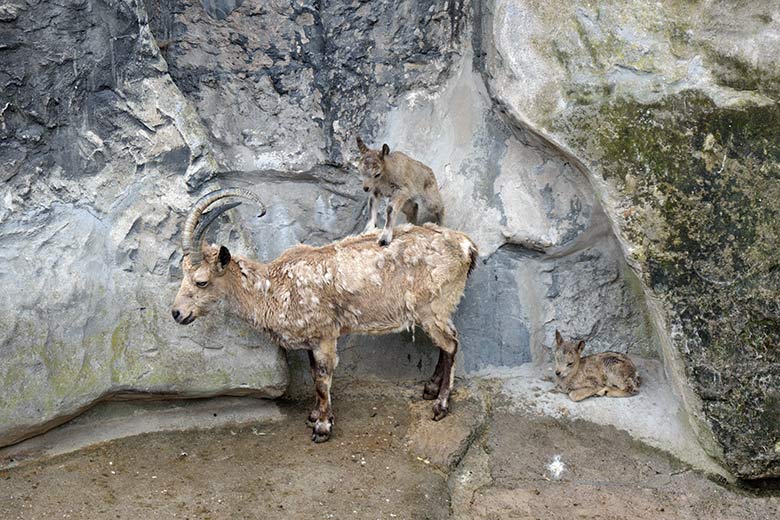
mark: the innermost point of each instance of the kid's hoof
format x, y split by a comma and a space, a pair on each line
383, 242
430, 391
321, 431
440, 412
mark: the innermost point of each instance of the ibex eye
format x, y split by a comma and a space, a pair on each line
201, 284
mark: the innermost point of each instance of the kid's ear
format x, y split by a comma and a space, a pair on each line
361, 145
580, 346
385, 150
558, 338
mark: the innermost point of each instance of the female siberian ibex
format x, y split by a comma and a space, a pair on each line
310, 296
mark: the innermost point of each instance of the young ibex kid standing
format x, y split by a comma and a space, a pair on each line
409, 184
610, 374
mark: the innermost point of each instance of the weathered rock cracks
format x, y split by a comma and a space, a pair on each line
617, 166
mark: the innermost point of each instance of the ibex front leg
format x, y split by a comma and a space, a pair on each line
444, 336
373, 202
325, 361
393, 208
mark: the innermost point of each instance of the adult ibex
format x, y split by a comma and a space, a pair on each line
310, 296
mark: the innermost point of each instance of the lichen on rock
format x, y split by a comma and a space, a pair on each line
672, 112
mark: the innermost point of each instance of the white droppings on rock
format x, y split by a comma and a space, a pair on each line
556, 467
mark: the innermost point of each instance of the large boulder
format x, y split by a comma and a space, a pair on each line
671, 109
99, 149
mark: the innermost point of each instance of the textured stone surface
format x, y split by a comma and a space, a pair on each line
286, 84
98, 148
671, 110
136, 116
549, 258
124, 111
444, 443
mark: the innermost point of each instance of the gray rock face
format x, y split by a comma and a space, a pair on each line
220, 9
142, 105
115, 115
549, 259
287, 85
671, 110
98, 148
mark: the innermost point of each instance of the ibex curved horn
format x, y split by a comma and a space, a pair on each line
190, 240
208, 217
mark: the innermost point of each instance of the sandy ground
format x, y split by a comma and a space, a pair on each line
551, 469
491, 459
260, 471
654, 416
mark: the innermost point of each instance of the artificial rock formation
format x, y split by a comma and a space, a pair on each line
99, 149
672, 111
566, 139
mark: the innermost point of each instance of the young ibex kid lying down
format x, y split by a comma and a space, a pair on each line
409, 185
608, 374
310, 296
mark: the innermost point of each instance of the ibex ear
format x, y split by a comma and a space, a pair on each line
385, 150
580, 346
361, 145
223, 258
558, 338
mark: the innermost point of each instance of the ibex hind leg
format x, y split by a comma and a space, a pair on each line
619, 392
435, 206
315, 413
431, 388
410, 210
622, 383
583, 393
445, 337
432, 214
436, 214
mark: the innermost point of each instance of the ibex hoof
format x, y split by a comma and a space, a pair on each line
383, 242
321, 431
317, 438
440, 412
430, 391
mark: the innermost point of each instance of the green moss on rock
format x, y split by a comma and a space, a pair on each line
701, 189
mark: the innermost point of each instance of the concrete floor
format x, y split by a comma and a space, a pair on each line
510, 449
654, 416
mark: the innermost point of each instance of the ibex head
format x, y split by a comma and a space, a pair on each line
204, 266
567, 355
372, 162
